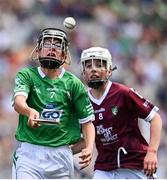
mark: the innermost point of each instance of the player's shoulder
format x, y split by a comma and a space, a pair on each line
71, 77
121, 87
27, 70
70, 74
72, 81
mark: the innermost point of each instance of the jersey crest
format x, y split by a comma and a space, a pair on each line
114, 110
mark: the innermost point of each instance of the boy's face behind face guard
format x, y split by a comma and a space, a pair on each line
96, 65
95, 72
52, 48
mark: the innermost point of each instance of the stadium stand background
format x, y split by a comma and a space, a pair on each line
135, 32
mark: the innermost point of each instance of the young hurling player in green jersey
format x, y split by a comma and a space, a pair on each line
51, 94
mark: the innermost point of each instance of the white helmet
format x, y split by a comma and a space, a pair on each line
95, 53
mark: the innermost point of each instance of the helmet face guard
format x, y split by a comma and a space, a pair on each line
104, 57
52, 39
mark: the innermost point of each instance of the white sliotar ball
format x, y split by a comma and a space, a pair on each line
69, 23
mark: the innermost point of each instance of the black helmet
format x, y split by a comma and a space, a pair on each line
52, 62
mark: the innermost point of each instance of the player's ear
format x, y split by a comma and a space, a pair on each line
64, 55
37, 50
110, 71
83, 73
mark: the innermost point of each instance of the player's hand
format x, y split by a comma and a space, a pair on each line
150, 163
85, 157
33, 114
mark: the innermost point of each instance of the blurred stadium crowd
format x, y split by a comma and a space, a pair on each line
135, 32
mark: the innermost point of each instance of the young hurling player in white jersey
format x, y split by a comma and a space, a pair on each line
123, 153
53, 108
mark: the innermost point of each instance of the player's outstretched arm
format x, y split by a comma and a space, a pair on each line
22, 108
89, 137
150, 161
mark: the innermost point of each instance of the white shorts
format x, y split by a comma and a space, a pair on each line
121, 173
41, 162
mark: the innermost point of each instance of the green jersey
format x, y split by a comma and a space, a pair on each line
63, 98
